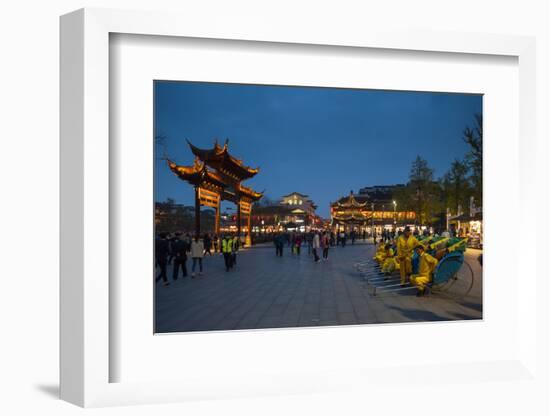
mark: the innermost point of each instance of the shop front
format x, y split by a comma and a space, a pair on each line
470, 227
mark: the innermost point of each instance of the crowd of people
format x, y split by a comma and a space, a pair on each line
317, 242
176, 248
396, 250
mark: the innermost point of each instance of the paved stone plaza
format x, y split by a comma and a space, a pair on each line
265, 291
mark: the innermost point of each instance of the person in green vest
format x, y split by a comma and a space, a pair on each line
227, 251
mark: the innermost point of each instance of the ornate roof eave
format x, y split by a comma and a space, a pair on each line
350, 219
351, 216
196, 174
352, 203
250, 193
295, 193
356, 205
349, 202
220, 155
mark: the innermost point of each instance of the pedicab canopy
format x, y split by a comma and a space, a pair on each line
448, 267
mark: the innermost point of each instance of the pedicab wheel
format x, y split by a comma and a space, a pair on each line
459, 285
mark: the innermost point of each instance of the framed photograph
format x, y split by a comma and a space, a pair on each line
230, 257
277, 212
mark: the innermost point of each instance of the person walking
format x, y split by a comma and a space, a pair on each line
197, 253
298, 244
279, 243
215, 240
315, 246
207, 244
227, 243
161, 257
188, 239
325, 244
343, 237
171, 240
309, 239
234, 248
180, 248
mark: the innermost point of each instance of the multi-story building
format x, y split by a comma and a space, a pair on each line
299, 201
294, 212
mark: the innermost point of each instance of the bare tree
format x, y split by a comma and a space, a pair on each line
474, 158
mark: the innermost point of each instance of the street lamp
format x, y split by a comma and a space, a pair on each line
394, 213
372, 218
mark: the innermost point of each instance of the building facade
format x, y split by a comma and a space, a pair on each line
372, 209
299, 201
294, 212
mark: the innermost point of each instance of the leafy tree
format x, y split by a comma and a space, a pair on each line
425, 191
170, 217
420, 171
404, 198
455, 185
422, 194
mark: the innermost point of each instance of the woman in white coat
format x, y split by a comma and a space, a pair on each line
197, 252
315, 245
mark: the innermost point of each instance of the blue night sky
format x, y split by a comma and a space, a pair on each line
322, 142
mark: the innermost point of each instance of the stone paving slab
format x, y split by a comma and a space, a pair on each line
265, 291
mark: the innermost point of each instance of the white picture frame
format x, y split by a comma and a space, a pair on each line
85, 212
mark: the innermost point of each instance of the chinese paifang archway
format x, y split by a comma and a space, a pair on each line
216, 175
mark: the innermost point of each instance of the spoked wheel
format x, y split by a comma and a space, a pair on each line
459, 285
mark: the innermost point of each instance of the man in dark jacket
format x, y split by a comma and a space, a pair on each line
170, 238
279, 243
161, 256
180, 248
207, 241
